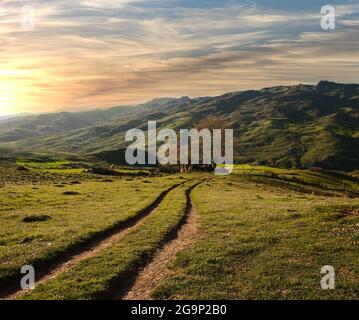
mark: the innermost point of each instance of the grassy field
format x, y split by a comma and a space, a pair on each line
69, 167
73, 213
96, 277
316, 181
263, 233
260, 241
56, 164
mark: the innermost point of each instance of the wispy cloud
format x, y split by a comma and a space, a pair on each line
99, 52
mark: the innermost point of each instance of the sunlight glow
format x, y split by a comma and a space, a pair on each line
10, 97
18, 90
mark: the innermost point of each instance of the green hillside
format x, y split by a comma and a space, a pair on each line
286, 126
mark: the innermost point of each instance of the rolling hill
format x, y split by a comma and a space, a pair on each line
287, 126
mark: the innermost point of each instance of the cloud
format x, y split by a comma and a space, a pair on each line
101, 52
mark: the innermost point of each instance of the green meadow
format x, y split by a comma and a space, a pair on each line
263, 241
263, 233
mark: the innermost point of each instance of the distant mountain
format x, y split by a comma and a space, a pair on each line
291, 126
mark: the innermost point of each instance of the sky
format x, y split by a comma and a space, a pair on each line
84, 54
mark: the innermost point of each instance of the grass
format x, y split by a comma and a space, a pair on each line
316, 181
258, 242
10, 175
64, 167
43, 165
264, 233
77, 212
97, 276
67, 171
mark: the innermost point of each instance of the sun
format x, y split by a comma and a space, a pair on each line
12, 96
16, 90
22, 89
8, 101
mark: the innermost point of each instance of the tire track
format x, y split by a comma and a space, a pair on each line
139, 287
90, 248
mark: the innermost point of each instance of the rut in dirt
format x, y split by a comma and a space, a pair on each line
140, 283
51, 269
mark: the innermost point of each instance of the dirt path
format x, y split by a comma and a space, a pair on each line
158, 269
92, 247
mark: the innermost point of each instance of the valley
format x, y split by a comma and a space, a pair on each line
298, 126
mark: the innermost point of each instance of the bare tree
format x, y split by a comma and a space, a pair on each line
212, 122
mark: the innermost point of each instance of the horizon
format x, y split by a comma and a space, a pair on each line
103, 108
112, 53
